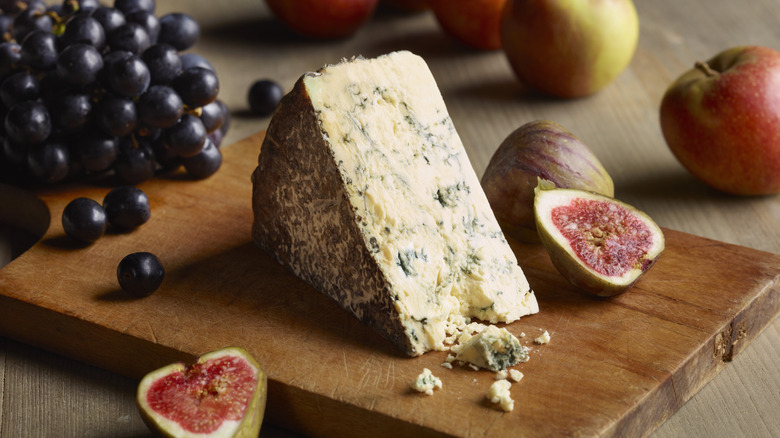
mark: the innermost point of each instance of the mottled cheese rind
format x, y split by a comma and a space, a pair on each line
364, 190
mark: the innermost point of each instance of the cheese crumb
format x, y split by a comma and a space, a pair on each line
515, 375
447, 365
499, 393
502, 375
543, 338
426, 382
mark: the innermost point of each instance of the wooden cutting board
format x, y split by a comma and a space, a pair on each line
616, 366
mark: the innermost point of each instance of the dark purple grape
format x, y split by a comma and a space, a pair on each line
79, 6
83, 29
128, 77
10, 58
29, 20
39, 50
197, 86
84, 220
187, 137
212, 116
131, 37
70, 111
117, 116
127, 207
109, 18
135, 163
163, 62
179, 30
140, 274
28, 122
148, 21
189, 60
79, 64
128, 6
96, 151
110, 58
160, 106
264, 95
49, 162
204, 164
19, 87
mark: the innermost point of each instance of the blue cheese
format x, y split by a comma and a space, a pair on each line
364, 190
498, 393
493, 348
426, 382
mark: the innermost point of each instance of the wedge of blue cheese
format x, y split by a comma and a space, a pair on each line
364, 190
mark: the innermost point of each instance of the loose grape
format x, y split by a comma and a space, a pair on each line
140, 274
127, 207
264, 95
84, 220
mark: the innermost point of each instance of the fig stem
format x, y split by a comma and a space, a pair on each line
703, 66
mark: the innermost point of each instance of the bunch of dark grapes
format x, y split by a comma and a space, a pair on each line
93, 90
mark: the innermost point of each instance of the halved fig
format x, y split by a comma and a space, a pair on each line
222, 394
598, 243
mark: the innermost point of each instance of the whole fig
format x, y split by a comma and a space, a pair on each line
538, 149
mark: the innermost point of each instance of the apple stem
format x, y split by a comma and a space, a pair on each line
703, 66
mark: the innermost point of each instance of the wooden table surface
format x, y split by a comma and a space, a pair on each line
46, 395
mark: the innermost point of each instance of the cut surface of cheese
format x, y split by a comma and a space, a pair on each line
364, 190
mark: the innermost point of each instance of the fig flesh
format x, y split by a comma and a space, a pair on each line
222, 394
538, 149
599, 244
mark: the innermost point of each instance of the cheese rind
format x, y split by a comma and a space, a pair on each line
364, 190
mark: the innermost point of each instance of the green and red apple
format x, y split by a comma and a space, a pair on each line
569, 48
721, 119
323, 18
475, 23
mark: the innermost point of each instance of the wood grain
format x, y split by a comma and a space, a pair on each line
614, 367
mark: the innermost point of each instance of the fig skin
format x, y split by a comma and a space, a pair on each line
250, 424
538, 149
569, 265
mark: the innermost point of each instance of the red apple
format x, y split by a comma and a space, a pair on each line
721, 120
323, 18
569, 48
473, 22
